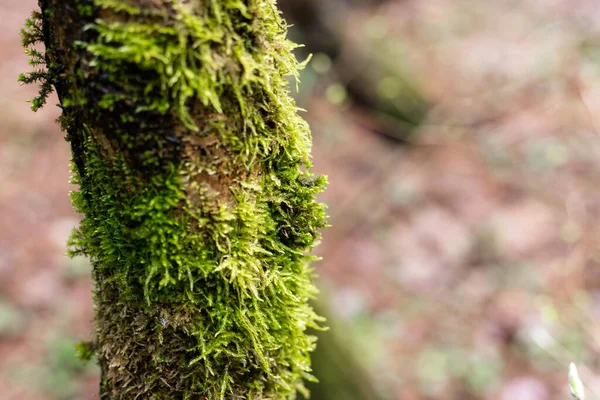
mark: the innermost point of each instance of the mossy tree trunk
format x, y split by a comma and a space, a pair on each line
194, 183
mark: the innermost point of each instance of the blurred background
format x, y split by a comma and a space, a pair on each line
462, 143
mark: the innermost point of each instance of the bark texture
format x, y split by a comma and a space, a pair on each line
198, 203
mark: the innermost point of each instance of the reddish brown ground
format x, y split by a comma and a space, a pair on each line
466, 266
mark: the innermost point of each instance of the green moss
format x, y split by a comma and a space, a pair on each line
199, 207
85, 350
31, 35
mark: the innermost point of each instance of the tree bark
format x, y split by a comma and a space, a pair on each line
194, 183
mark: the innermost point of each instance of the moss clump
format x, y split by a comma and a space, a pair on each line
31, 35
193, 168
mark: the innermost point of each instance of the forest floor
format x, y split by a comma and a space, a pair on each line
464, 264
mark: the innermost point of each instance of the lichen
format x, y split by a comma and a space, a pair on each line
195, 186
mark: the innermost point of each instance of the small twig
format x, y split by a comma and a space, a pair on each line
575, 384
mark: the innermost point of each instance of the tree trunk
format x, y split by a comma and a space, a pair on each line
194, 183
